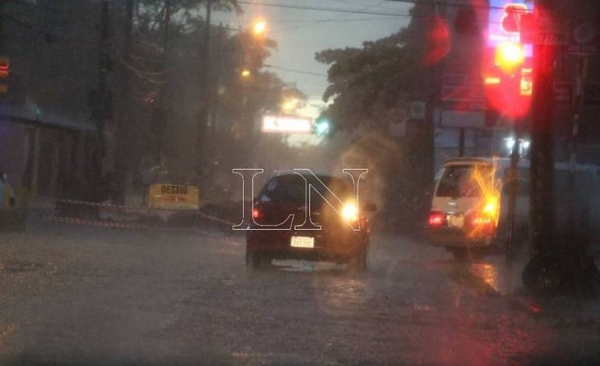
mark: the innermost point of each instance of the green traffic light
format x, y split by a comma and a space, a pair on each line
322, 127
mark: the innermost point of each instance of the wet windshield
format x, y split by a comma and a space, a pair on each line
156, 157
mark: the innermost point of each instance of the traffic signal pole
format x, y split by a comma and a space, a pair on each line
542, 274
559, 265
542, 148
2, 47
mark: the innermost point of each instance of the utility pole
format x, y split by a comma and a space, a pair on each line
213, 100
430, 94
125, 121
161, 115
102, 102
103, 72
216, 76
205, 97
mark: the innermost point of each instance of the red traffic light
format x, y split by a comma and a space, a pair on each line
4, 67
507, 80
4, 70
509, 57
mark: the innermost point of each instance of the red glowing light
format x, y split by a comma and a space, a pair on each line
437, 219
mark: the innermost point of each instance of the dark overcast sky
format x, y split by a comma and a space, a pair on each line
301, 33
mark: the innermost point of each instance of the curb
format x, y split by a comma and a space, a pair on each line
467, 276
527, 303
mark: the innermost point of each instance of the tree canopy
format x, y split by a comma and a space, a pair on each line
367, 83
368, 86
236, 99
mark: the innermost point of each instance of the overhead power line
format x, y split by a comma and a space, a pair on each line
447, 3
294, 70
329, 21
315, 8
377, 6
333, 20
351, 11
340, 18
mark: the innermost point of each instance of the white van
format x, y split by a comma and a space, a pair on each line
470, 200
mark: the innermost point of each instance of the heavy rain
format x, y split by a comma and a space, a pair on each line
316, 182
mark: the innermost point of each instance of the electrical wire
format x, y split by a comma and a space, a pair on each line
324, 21
314, 8
294, 70
447, 3
320, 20
377, 6
350, 11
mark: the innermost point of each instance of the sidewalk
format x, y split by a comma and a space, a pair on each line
505, 281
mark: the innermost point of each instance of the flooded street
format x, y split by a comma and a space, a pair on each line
79, 295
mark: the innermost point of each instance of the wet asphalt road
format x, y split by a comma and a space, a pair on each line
73, 295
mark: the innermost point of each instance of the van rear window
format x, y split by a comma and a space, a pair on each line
458, 181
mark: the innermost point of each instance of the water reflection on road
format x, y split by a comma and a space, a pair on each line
187, 298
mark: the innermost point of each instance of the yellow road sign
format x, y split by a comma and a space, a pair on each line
173, 196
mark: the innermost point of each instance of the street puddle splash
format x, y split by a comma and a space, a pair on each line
487, 272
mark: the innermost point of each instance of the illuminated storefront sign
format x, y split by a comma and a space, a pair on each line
505, 22
286, 124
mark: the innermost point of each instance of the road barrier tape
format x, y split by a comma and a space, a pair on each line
216, 219
138, 209
111, 206
105, 205
78, 221
122, 225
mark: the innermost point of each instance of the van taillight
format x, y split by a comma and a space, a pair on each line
256, 214
481, 220
437, 218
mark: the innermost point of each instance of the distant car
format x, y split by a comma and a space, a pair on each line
327, 226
